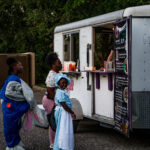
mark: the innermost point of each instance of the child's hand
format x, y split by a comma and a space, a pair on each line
73, 116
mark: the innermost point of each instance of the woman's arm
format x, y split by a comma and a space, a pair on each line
68, 109
110, 57
51, 92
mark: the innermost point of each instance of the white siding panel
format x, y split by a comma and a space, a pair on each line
58, 45
80, 85
104, 98
80, 91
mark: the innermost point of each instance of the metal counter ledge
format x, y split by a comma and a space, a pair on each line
98, 73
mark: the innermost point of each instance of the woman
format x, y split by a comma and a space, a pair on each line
14, 105
48, 100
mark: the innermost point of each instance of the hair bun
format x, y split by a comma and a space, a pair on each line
51, 58
11, 61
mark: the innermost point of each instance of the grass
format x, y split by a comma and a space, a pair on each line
41, 85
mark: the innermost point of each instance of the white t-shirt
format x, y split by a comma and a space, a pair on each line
50, 80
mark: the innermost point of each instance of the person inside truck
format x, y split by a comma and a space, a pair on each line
55, 65
110, 56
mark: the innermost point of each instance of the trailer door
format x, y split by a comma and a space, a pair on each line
122, 100
140, 73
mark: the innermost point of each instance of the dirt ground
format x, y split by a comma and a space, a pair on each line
89, 136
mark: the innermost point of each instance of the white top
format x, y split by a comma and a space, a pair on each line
50, 80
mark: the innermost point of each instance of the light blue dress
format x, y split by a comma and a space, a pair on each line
61, 96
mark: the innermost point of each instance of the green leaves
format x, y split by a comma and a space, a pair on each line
28, 25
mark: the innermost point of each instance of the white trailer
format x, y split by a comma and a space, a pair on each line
120, 98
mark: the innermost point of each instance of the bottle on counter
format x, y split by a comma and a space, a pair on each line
78, 65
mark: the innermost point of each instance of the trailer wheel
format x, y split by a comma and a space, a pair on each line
75, 125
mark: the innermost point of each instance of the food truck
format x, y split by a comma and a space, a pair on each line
118, 96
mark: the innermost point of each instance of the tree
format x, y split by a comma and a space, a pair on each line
28, 25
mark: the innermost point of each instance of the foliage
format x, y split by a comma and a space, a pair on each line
28, 25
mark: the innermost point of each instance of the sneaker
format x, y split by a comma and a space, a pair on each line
52, 145
21, 144
18, 147
15, 148
8, 148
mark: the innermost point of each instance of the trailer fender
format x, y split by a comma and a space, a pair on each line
76, 107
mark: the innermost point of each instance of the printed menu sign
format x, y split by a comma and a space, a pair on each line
121, 78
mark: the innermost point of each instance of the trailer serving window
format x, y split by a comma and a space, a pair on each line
103, 42
71, 47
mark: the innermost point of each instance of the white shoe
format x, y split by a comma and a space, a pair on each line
18, 147
8, 148
52, 145
21, 144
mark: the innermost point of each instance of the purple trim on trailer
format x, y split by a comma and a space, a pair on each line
97, 81
129, 70
121, 20
110, 82
110, 79
100, 72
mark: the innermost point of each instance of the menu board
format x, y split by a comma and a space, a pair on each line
121, 78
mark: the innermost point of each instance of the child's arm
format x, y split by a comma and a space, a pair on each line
68, 109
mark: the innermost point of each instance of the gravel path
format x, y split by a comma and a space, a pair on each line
90, 136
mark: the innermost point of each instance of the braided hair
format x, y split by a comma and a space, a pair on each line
51, 59
11, 62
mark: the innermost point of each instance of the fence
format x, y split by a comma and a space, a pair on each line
28, 62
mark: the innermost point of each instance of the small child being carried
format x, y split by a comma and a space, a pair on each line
64, 137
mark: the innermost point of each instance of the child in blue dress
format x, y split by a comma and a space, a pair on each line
64, 137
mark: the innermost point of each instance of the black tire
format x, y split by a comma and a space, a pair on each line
75, 125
